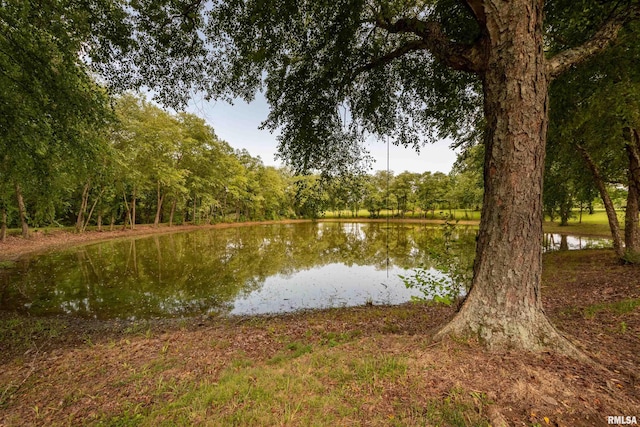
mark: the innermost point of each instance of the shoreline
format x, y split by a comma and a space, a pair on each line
16, 247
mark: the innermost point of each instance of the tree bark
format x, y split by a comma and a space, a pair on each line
160, 198
614, 224
22, 211
173, 211
3, 226
133, 209
93, 207
503, 308
127, 215
83, 208
631, 227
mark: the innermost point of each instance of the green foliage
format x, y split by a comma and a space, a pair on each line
321, 65
453, 262
591, 106
52, 112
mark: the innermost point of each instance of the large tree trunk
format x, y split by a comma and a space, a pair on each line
614, 224
503, 308
631, 229
22, 211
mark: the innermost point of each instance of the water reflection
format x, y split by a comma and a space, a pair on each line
242, 270
562, 242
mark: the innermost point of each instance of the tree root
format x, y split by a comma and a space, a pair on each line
529, 333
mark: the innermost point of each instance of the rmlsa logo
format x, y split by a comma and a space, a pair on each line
620, 419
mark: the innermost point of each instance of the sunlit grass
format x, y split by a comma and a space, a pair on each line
326, 386
618, 307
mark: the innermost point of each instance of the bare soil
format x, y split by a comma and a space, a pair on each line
77, 372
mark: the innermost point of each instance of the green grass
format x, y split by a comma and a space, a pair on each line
21, 332
304, 385
596, 223
457, 408
619, 307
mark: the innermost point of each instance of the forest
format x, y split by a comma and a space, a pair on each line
151, 166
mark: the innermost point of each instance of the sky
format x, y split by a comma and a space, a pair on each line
238, 124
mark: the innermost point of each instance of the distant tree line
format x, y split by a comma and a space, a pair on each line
146, 165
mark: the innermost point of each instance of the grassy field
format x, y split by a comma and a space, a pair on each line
589, 225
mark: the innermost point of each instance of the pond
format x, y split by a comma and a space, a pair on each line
242, 270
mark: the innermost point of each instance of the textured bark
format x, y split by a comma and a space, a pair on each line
614, 224
22, 211
503, 308
631, 228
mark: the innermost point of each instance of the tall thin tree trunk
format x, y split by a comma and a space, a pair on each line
99, 221
133, 209
503, 308
127, 215
195, 206
22, 211
3, 225
614, 224
160, 198
173, 211
83, 207
95, 202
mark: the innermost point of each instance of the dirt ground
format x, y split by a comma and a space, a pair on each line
73, 372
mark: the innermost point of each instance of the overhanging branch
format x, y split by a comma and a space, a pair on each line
605, 35
432, 38
411, 46
477, 9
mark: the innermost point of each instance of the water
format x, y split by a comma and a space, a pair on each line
563, 242
241, 270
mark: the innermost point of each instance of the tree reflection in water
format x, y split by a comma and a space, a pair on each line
252, 269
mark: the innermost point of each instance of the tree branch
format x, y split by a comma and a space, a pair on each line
477, 10
410, 46
605, 35
455, 55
